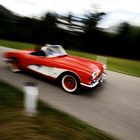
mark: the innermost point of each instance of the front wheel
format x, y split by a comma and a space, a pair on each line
69, 83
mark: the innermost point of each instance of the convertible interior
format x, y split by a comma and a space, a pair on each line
50, 51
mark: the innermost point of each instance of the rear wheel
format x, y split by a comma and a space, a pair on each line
69, 83
13, 65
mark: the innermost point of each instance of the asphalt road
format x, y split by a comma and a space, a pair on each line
113, 106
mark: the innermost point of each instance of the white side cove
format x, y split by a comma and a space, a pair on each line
48, 71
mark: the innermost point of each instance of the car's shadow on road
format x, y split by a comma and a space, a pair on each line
95, 91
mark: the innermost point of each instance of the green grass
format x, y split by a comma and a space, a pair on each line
130, 67
125, 66
48, 124
16, 45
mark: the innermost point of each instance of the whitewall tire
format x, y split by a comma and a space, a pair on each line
69, 83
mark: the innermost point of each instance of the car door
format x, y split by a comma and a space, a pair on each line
39, 64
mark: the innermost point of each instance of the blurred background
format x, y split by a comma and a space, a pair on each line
100, 27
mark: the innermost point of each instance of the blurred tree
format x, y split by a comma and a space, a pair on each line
124, 32
92, 34
5, 18
69, 19
91, 20
47, 28
122, 39
50, 19
124, 28
127, 41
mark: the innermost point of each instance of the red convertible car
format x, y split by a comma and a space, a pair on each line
52, 62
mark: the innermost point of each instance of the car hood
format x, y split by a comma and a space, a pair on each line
78, 63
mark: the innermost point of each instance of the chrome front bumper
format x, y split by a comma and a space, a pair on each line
100, 79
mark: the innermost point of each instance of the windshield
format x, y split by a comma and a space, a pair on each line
54, 50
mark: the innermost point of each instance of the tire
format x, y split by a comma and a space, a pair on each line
70, 83
13, 65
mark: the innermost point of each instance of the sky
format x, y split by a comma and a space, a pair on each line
117, 10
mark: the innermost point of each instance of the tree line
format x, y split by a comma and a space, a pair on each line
80, 33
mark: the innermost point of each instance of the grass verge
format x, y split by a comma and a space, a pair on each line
16, 45
49, 124
130, 67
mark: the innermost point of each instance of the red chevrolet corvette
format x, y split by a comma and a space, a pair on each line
53, 62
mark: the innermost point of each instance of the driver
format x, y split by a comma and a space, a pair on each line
38, 51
